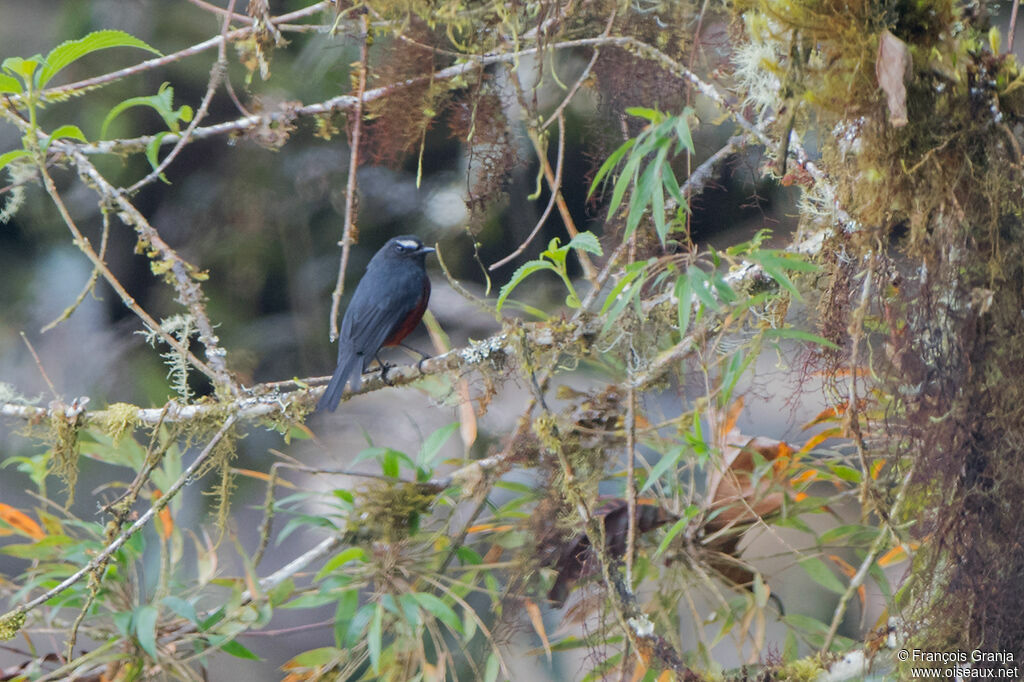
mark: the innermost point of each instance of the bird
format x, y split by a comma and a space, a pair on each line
388, 303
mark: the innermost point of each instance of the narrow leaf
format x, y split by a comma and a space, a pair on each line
438, 609
375, 636
822, 574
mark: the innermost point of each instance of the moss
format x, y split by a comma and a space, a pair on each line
118, 419
11, 625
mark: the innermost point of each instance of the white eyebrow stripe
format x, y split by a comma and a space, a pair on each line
408, 244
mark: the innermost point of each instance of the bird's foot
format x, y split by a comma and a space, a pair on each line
384, 368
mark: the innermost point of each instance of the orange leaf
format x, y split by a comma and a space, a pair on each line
21, 522
165, 520
819, 438
538, 625
666, 676
850, 571
876, 468
489, 528
894, 555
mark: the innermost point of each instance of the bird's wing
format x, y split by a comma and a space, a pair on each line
377, 316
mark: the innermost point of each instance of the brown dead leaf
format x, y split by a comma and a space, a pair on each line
893, 70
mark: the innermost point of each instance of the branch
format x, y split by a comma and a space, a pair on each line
350, 186
108, 551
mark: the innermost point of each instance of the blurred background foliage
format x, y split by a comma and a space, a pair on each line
446, 530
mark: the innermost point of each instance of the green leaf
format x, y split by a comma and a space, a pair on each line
73, 50
493, 668
315, 658
524, 271
633, 270
182, 608
610, 164
433, 444
821, 574
625, 180
641, 198
153, 153
586, 241
10, 85
13, 155
145, 628
439, 610
72, 131
344, 613
668, 179
699, 281
340, 559
375, 636
679, 525
22, 67
683, 130
667, 460
162, 102
790, 333
684, 296
238, 651
652, 115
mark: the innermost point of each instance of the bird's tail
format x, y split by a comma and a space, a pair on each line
348, 368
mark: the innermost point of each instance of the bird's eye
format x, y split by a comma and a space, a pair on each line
399, 248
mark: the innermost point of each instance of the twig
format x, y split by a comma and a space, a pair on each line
108, 551
630, 426
229, 13
64, 91
83, 243
216, 74
92, 278
1013, 26
551, 201
350, 186
39, 364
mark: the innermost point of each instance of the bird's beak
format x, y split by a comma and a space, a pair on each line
426, 249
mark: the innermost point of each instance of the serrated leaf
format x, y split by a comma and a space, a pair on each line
10, 85
521, 273
73, 50
12, 155
153, 153
162, 102
586, 241
22, 67
72, 131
